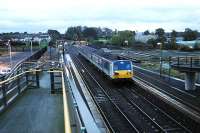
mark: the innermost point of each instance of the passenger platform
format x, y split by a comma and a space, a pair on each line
36, 110
43, 97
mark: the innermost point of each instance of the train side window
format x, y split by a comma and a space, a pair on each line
106, 65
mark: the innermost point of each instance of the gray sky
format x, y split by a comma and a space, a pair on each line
40, 15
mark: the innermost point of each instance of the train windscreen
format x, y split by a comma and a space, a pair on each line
122, 65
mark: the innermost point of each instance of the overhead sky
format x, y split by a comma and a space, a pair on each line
40, 15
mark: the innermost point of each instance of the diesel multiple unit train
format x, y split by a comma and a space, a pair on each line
103, 60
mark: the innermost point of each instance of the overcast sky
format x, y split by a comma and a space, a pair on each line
40, 15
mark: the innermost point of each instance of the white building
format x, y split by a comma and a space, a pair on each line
178, 39
140, 37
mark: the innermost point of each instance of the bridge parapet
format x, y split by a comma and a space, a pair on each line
190, 65
187, 63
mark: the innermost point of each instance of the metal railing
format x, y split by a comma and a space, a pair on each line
12, 87
67, 123
66, 107
19, 65
186, 61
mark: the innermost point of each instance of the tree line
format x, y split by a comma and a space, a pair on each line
188, 35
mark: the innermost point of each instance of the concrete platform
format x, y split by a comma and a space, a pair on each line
36, 111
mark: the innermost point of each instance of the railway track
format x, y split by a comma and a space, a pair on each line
166, 122
172, 95
154, 121
115, 117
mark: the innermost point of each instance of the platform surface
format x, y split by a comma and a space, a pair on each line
36, 111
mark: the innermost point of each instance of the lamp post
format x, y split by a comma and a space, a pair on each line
161, 45
10, 52
126, 42
32, 46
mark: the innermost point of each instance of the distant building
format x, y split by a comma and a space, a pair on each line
36, 38
179, 39
140, 37
190, 44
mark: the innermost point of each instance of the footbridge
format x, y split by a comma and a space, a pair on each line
190, 66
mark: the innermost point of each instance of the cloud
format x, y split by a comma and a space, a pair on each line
40, 15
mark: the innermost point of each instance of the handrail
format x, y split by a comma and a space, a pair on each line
66, 109
65, 103
21, 62
191, 61
18, 75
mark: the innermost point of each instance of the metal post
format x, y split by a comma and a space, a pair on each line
50, 52
10, 56
18, 83
160, 66
191, 62
178, 61
169, 67
10, 52
160, 58
63, 50
4, 88
27, 81
52, 81
37, 78
186, 60
31, 48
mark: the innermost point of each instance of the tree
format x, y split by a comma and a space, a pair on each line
116, 40
7, 36
123, 36
74, 33
152, 42
90, 33
54, 34
160, 32
190, 35
173, 34
146, 32
173, 39
107, 33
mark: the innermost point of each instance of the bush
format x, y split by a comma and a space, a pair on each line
18, 43
97, 42
197, 46
153, 42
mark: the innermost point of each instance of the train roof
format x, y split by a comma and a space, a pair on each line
103, 52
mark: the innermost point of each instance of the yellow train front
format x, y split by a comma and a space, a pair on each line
122, 69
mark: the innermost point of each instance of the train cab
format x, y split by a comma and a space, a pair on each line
122, 69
